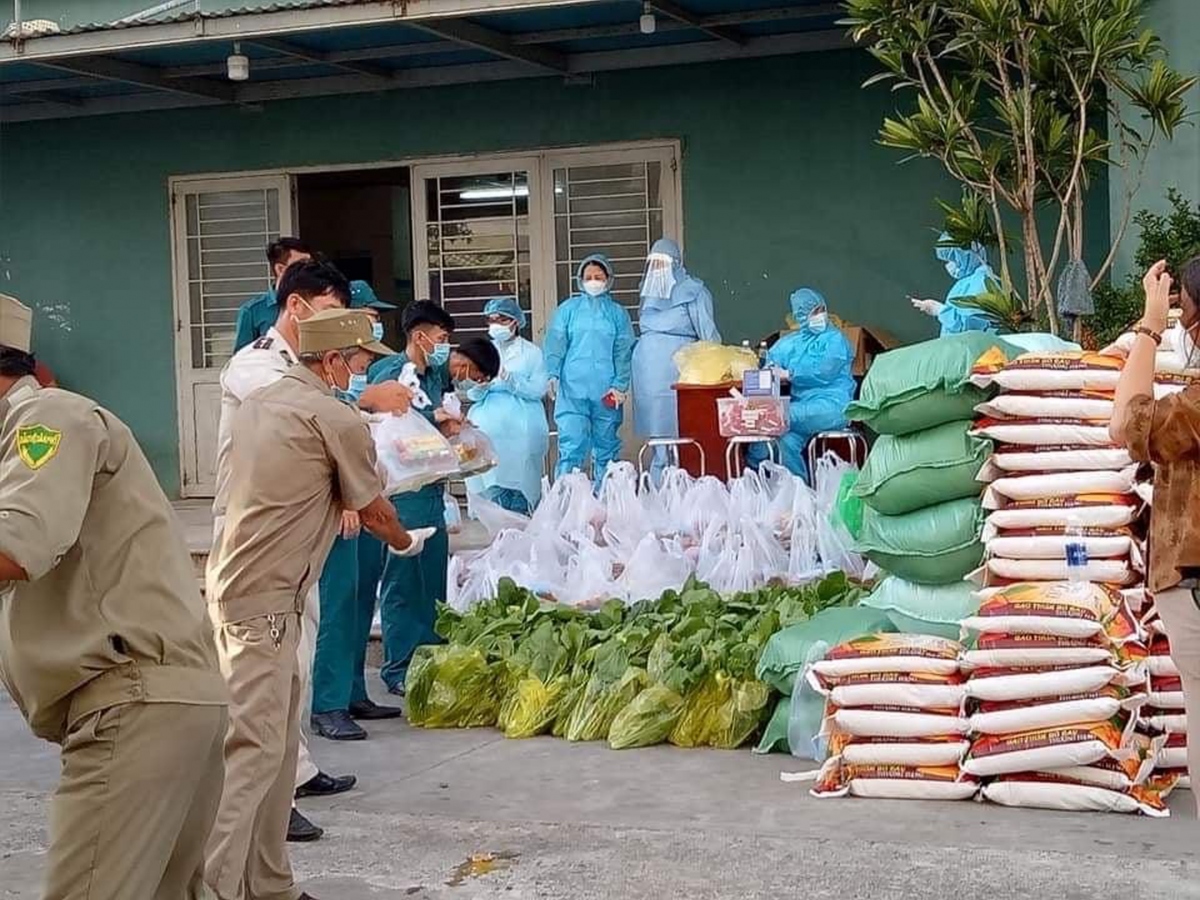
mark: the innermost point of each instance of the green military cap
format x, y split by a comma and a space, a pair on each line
339, 329
16, 323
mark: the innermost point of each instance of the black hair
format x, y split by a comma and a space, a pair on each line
15, 363
278, 251
483, 353
1189, 278
311, 279
425, 312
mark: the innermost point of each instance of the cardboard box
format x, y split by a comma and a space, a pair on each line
867, 343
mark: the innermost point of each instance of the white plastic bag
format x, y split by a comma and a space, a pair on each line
834, 543
453, 513
625, 519
588, 581
657, 565
707, 502
474, 451
411, 452
494, 517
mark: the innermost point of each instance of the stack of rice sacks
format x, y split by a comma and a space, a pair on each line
1047, 694
893, 719
922, 518
1164, 715
1056, 678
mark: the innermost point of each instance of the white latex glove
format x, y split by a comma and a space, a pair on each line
929, 307
619, 397
552, 388
452, 405
351, 524
781, 374
419, 537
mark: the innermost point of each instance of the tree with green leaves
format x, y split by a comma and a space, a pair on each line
1025, 102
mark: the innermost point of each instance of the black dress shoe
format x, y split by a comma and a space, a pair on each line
337, 726
367, 710
301, 830
322, 785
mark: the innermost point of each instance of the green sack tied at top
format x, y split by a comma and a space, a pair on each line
923, 385
908, 472
936, 545
790, 650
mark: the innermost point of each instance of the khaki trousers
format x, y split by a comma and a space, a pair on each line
306, 769
247, 855
135, 802
310, 624
1181, 616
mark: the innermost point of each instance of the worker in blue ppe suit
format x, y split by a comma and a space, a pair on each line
676, 310
589, 356
409, 594
510, 411
970, 270
257, 316
817, 360
339, 688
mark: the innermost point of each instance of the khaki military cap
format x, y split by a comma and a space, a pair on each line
16, 323
340, 329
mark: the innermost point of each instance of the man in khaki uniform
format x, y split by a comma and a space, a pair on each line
298, 458
104, 642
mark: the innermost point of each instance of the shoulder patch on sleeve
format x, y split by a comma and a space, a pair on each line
264, 343
36, 445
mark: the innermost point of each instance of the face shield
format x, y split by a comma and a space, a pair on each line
659, 278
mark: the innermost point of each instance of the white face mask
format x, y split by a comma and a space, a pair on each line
377, 330
818, 321
594, 287
501, 334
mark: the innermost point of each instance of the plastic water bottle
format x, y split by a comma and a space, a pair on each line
1077, 552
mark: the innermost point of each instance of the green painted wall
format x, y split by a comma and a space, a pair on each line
783, 186
1175, 163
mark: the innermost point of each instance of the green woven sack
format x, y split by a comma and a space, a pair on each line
790, 650
925, 608
936, 545
775, 736
923, 385
912, 471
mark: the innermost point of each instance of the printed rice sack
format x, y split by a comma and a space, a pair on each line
1166, 692
1159, 662
1051, 543
999, 651
1058, 610
1088, 511
894, 722
1041, 790
913, 690
924, 385
1047, 748
943, 750
1054, 405
1037, 487
909, 472
1012, 716
924, 608
1037, 683
1014, 459
1103, 571
1045, 372
1174, 753
1165, 721
890, 653
894, 782
1044, 432
937, 545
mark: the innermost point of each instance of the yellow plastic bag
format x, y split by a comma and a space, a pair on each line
698, 719
532, 706
743, 710
707, 363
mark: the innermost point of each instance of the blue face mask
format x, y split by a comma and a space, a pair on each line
377, 330
501, 334
439, 355
358, 384
466, 385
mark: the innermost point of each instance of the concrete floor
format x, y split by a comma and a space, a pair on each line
583, 822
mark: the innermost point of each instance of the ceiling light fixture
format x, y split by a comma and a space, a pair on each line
647, 23
238, 66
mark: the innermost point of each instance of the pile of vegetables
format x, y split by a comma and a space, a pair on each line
679, 668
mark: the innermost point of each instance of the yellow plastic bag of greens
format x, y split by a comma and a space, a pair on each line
742, 711
451, 687
698, 719
577, 683
602, 699
648, 720
707, 363
531, 707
